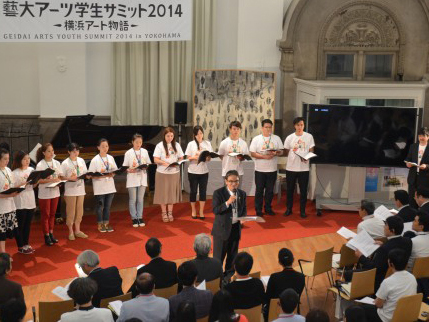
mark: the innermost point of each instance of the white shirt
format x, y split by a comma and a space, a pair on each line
170, 158
295, 143
234, 208
232, 163
259, 145
70, 168
44, 191
6, 182
420, 248
93, 315
420, 153
398, 285
373, 226
192, 150
290, 318
25, 199
133, 159
103, 186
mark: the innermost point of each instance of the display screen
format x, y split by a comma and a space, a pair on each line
361, 135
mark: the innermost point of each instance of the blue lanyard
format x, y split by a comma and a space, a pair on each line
139, 161
106, 164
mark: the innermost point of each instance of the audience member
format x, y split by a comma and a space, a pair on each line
186, 312
222, 309
405, 211
109, 282
422, 198
401, 283
208, 268
12, 311
164, 272
288, 301
81, 290
146, 306
373, 226
317, 315
8, 289
420, 243
355, 313
247, 292
202, 299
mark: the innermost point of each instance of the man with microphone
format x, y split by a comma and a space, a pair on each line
229, 203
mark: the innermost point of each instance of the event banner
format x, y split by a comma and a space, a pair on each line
95, 20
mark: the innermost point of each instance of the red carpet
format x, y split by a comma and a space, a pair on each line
125, 247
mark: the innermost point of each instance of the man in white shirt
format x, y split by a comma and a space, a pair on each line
288, 302
297, 168
264, 149
373, 226
401, 283
420, 243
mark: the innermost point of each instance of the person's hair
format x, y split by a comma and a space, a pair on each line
289, 300
368, 206
167, 130
285, 257
298, 119
202, 244
88, 257
145, 283
423, 219
17, 159
266, 121
243, 263
317, 315
82, 289
222, 308
133, 320
398, 258
4, 145
231, 173
12, 311
401, 196
4, 263
396, 224
73, 146
39, 155
186, 312
195, 132
3, 152
136, 136
234, 123
187, 273
101, 141
153, 247
355, 313
422, 192
423, 131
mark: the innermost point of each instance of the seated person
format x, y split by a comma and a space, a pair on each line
12, 311
288, 301
355, 313
163, 271
146, 306
109, 282
81, 290
222, 310
420, 243
317, 315
405, 211
422, 198
8, 289
246, 292
373, 226
202, 299
401, 283
208, 268
186, 312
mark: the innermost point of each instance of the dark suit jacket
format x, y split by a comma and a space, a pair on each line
246, 294
10, 290
208, 268
407, 213
287, 278
223, 214
164, 272
201, 299
109, 283
413, 157
425, 207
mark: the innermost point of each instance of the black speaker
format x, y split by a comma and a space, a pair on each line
180, 112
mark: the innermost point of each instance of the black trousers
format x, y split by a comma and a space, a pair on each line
24, 217
264, 181
291, 178
227, 248
198, 181
371, 313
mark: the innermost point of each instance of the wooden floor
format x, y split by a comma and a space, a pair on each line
265, 260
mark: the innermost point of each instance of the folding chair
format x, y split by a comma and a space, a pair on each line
52, 311
408, 308
104, 303
253, 314
421, 267
213, 286
166, 292
347, 258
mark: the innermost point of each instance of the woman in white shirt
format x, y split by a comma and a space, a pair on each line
48, 197
167, 178
74, 191
136, 179
25, 201
104, 186
8, 222
198, 174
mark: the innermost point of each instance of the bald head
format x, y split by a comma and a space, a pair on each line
145, 283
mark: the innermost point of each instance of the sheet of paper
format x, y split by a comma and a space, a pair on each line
265, 280
346, 233
366, 300
33, 153
412, 163
364, 243
116, 306
408, 226
61, 292
202, 286
382, 213
251, 218
53, 185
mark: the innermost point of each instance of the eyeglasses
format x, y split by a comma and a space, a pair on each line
235, 181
